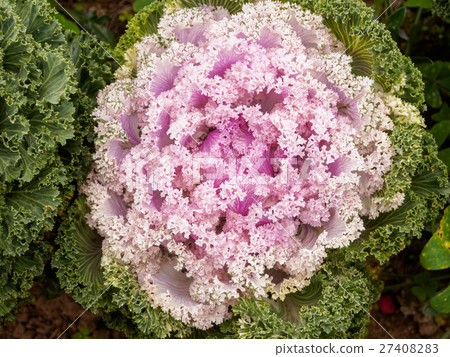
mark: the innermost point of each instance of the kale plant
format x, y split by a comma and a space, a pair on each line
49, 80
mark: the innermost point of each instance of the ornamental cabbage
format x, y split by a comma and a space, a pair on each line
247, 156
48, 84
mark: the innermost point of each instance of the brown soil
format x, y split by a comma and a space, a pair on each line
50, 318
401, 326
105, 7
44, 319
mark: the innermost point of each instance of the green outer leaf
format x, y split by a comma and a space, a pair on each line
356, 45
140, 4
35, 202
7, 158
436, 254
341, 312
424, 4
232, 6
353, 20
288, 309
48, 86
145, 22
428, 182
87, 251
441, 301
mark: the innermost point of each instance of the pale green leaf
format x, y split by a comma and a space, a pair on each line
441, 301
436, 254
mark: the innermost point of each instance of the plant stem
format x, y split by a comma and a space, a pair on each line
401, 285
389, 4
412, 37
419, 13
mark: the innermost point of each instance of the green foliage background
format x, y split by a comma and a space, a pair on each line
49, 80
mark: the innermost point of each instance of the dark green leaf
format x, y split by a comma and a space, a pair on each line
444, 155
432, 96
422, 278
395, 20
444, 83
414, 34
441, 131
443, 114
103, 34
421, 60
7, 158
36, 202
419, 292
431, 288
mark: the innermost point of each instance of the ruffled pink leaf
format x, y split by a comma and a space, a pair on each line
211, 140
342, 165
263, 165
242, 206
130, 125
117, 150
115, 206
263, 221
198, 100
346, 106
268, 100
268, 38
163, 77
198, 250
175, 283
335, 226
243, 134
163, 138
192, 34
308, 237
157, 200
308, 37
225, 60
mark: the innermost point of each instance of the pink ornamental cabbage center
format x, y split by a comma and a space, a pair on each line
231, 152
